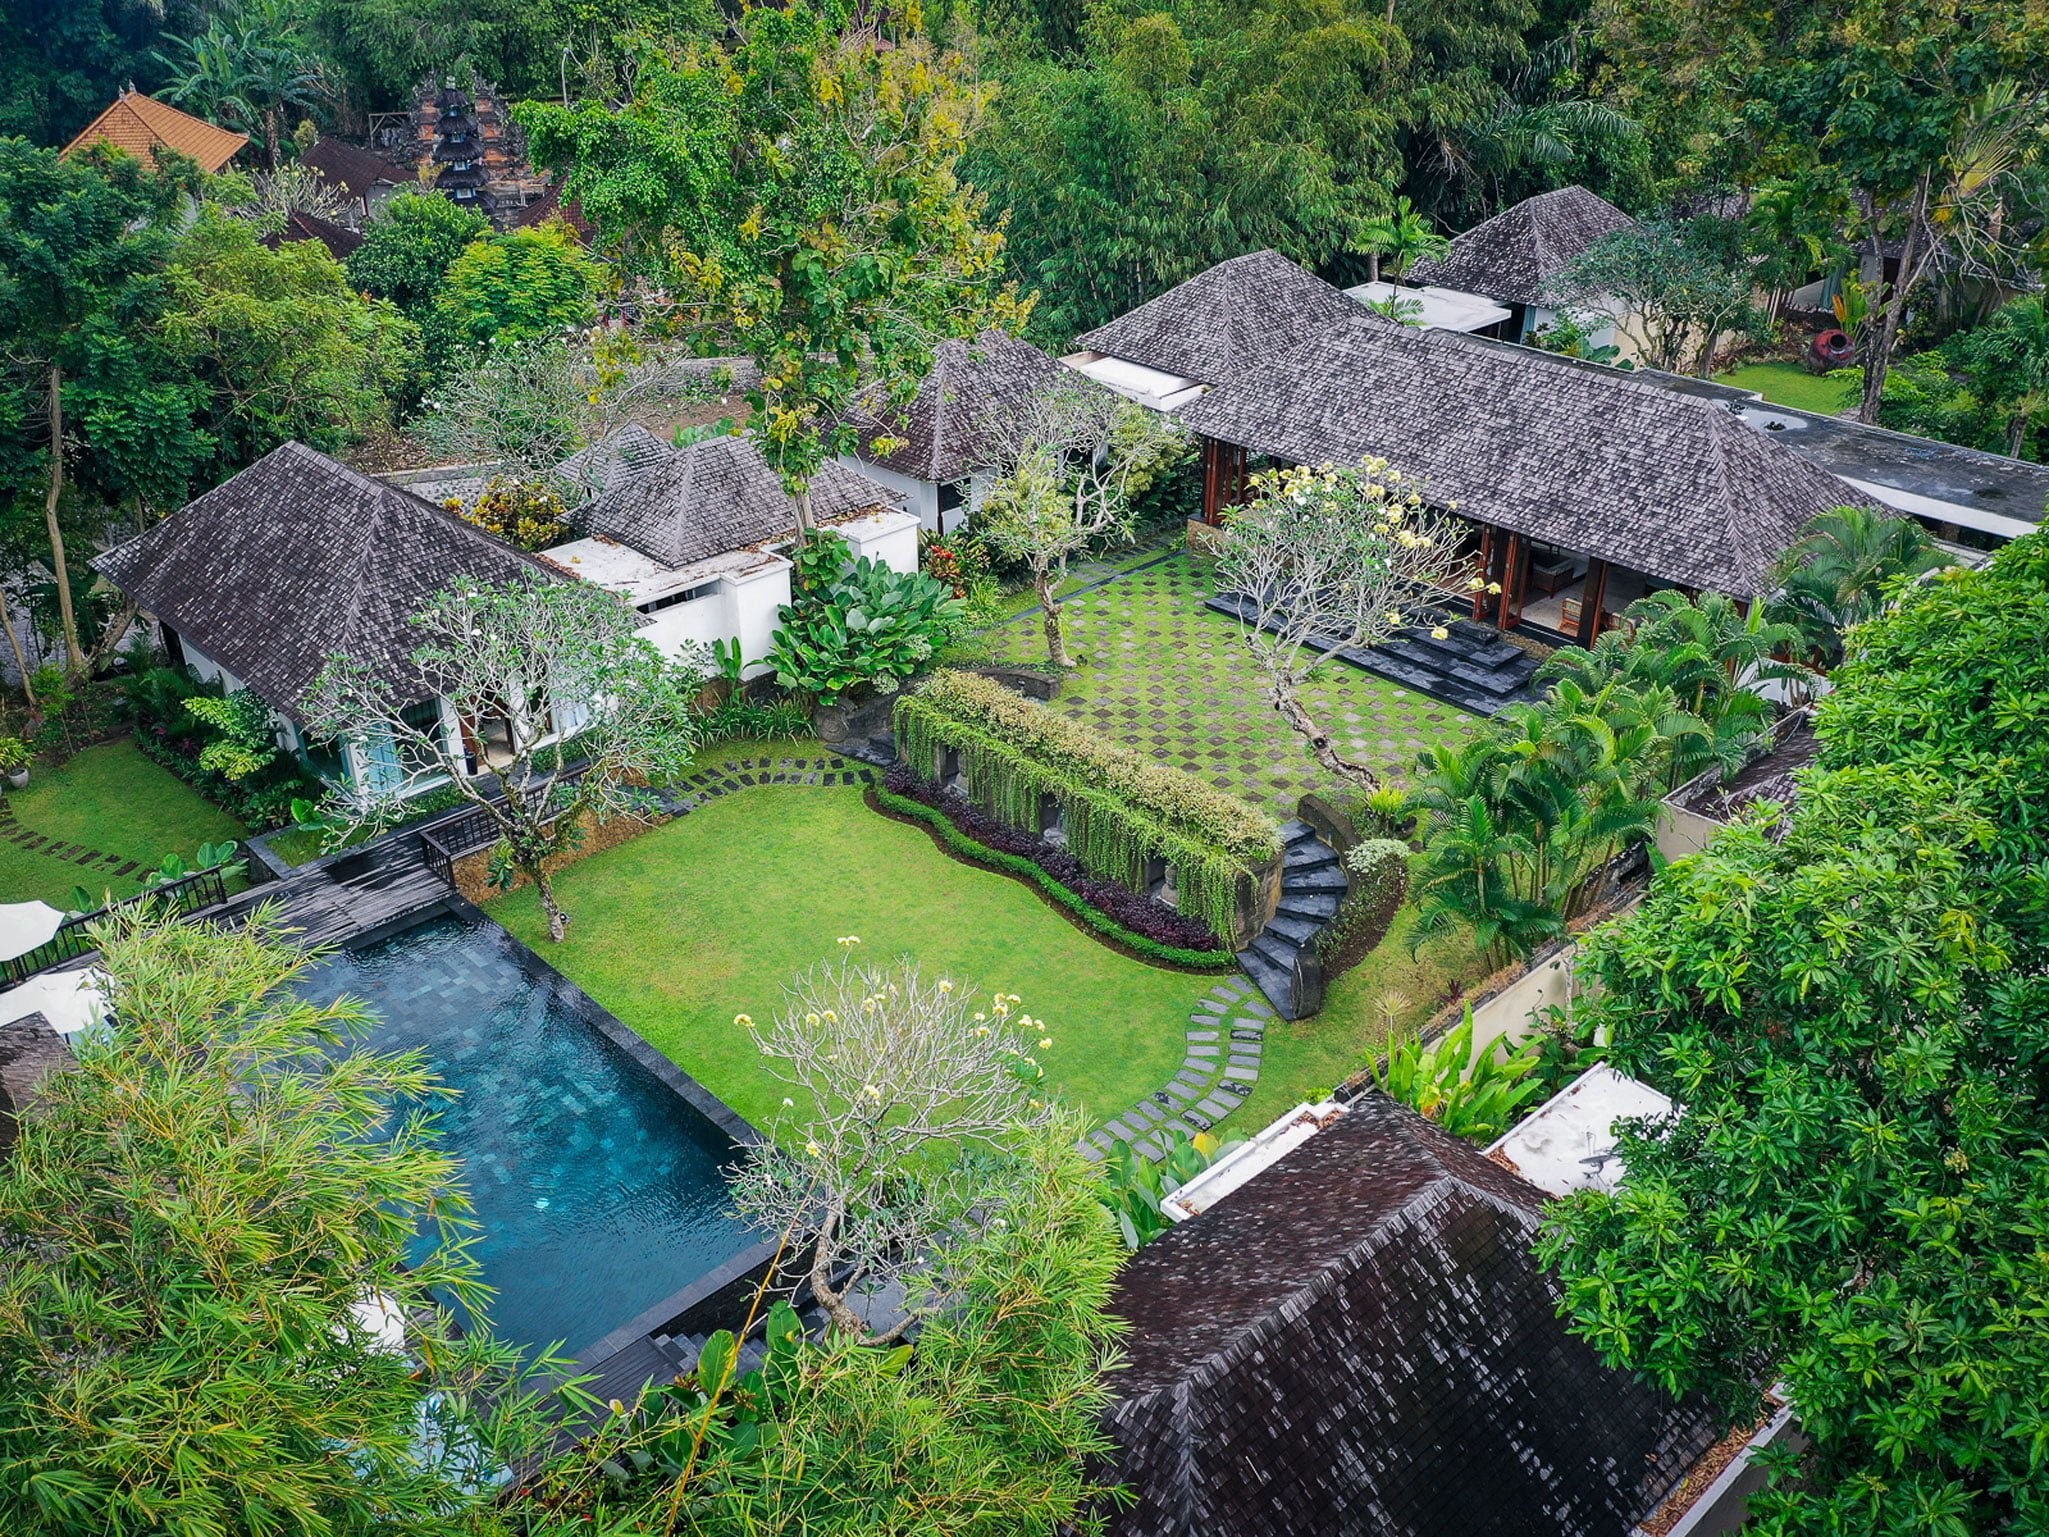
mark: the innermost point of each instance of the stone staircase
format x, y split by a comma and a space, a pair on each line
1472, 667
1281, 961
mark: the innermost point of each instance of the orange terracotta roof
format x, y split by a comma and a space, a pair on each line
141, 125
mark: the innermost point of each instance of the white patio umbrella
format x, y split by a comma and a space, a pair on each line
70, 1000
24, 925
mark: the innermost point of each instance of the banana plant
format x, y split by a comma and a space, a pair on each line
1135, 1187
1470, 1091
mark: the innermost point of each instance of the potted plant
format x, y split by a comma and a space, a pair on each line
15, 759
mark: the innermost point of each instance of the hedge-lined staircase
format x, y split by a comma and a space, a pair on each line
1282, 961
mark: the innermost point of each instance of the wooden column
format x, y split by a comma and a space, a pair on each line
1224, 478
1518, 558
1593, 597
1497, 576
1480, 598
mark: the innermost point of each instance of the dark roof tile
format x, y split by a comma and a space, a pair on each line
298, 559
974, 389
353, 169
1221, 322
1360, 1340
715, 496
1510, 257
1582, 458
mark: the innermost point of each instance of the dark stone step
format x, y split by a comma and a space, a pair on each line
1277, 984
1331, 878
1295, 831
1297, 930
1469, 644
1493, 680
1277, 949
1319, 906
1306, 856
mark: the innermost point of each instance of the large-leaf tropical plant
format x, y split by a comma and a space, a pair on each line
1838, 574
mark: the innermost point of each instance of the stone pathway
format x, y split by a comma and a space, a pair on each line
744, 773
1226, 1034
97, 860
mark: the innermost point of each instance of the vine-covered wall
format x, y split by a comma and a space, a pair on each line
1121, 810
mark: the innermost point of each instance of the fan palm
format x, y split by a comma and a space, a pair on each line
1838, 573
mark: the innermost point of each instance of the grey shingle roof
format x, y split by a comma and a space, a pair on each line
297, 559
612, 462
1511, 256
1220, 322
715, 496
1579, 457
974, 388
1359, 1340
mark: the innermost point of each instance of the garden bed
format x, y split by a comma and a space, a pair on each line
1136, 925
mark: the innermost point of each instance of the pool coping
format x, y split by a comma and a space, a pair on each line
742, 1132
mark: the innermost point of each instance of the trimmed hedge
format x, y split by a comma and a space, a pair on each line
1121, 808
1025, 867
1378, 870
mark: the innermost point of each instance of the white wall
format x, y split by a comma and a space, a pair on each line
743, 609
888, 538
920, 497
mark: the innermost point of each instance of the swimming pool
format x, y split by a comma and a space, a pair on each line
600, 1188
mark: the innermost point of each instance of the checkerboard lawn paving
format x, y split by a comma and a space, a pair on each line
1165, 675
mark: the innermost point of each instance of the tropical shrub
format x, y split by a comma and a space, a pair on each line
1387, 811
14, 755
1121, 809
243, 740
1378, 872
1837, 574
523, 513
1135, 1187
852, 629
1470, 1091
1846, 999
1140, 924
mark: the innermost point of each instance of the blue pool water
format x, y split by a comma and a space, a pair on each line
599, 1190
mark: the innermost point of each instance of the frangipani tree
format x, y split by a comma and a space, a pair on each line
1070, 466
908, 1096
558, 672
1324, 560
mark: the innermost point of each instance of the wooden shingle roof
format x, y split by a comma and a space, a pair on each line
298, 559
1359, 1340
1579, 457
142, 125
1510, 257
715, 496
1220, 322
957, 419
352, 169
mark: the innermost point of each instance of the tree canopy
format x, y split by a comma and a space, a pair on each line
1850, 1009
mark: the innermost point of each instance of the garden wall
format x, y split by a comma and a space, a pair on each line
472, 871
1126, 818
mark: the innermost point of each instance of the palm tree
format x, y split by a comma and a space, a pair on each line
1837, 574
245, 70
1401, 239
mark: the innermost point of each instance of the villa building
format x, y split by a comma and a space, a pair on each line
947, 439
1511, 260
142, 125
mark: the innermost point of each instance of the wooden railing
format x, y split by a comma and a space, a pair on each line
182, 897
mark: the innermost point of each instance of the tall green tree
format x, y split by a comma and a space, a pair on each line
1919, 117
514, 288
1183, 135
793, 195
1849, 1009
1838, 573
82, 243
409, 246
282, 345
251, 66
2007, 360
190, 1224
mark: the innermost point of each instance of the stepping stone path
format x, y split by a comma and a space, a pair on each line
745, 773
96, 860
1226, 1034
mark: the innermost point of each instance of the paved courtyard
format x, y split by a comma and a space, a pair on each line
1165, 675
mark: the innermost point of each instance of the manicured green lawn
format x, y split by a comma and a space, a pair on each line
1165, 675
112, 800
1788, 384
708, 916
